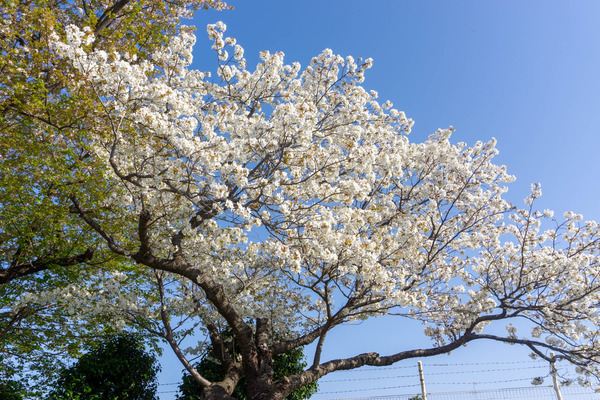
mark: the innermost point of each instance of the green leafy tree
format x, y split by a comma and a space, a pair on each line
118, 368
47, 117
10, 389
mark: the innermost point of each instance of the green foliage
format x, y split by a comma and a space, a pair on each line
10, 389
283, 365
48, 118
116, 369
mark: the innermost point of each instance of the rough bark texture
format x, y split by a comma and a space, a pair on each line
216, 392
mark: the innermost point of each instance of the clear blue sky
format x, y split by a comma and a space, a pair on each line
524, 72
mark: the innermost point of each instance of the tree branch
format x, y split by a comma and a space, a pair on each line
533, 345
214, 291
169, 335
105, 19
291, 383
18, 270
112, 245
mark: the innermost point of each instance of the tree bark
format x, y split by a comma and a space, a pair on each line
18, 269
216, 392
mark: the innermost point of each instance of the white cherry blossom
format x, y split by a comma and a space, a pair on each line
292, 195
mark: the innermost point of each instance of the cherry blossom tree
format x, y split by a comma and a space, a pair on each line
294, 198
44, 131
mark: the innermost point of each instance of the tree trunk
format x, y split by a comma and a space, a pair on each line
262, 388
215, 392
257, 391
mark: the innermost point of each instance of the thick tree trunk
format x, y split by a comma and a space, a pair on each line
258, 390
260, 378
216, 392
262, 388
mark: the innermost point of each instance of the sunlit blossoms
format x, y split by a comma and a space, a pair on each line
293, 199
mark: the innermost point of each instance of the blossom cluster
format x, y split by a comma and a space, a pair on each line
301, 194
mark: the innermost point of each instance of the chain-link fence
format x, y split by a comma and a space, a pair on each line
523, 393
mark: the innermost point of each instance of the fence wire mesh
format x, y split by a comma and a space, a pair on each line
522, 393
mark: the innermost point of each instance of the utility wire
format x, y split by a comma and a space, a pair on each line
445, 365
365, 390
429, 374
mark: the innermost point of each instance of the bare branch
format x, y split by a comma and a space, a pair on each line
169, 335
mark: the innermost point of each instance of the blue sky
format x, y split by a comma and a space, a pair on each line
524, 72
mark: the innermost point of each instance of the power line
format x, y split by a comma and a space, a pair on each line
487, 363
377, 388
369, 368
480, 382
483, 370
417, 385
170, 391
429, 374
